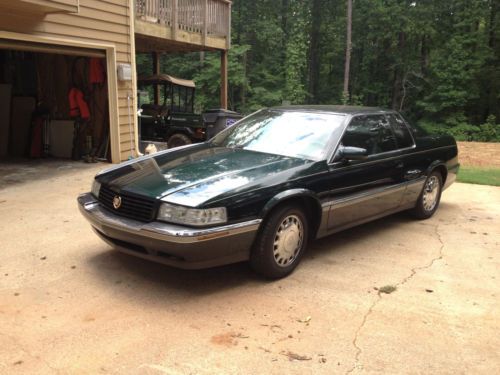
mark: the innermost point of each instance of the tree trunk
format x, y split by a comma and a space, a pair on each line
348, 50
314, 51
284, 30
399, 71
424, 55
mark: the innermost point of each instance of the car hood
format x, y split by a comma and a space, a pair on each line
194, 175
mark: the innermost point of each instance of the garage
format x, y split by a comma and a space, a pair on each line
54, 102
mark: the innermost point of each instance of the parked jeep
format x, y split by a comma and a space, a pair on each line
166, 113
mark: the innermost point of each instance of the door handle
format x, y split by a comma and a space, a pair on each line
413, 172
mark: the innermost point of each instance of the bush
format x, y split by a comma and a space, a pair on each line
462, 131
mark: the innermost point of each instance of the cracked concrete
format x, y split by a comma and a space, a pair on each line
414, 271
71, 305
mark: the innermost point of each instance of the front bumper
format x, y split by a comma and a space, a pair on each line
174, 245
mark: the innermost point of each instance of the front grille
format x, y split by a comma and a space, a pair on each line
132, 206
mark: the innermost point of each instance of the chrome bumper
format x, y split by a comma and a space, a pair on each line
171, 244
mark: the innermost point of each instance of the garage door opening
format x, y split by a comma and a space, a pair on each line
53, 103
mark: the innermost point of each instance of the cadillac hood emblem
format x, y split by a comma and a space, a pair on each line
117, 202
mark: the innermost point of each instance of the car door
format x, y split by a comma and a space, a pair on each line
364, 189
414, 166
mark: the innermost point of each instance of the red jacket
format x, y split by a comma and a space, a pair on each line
77, 105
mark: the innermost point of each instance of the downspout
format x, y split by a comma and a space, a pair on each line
131, 7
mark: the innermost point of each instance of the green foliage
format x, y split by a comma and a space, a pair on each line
462, 131
437, 61
296, 54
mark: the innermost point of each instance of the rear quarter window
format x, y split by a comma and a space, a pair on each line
401, 131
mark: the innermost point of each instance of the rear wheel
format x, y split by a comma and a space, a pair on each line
430, 197
178, 139
281, 243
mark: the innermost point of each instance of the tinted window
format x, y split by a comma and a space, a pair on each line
403, 136
371, 132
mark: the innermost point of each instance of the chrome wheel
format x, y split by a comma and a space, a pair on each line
288, 240
431, 193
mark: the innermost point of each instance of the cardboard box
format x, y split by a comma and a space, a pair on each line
20, 125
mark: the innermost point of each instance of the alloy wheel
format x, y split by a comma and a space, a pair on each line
431, 193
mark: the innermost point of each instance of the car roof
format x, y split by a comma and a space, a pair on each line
340, 109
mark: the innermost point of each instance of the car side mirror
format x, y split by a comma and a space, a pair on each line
353, 153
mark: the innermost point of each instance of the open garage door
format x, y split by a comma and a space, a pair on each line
53, 102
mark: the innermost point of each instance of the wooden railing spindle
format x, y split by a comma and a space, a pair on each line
206, 17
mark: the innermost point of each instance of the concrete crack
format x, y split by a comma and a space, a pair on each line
356, 335
430, 264
379, 298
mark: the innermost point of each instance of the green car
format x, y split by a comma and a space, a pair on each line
262, 189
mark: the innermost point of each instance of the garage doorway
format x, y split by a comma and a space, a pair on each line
54, 103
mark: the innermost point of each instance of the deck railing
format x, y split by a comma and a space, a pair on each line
206, 17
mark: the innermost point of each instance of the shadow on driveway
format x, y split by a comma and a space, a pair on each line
142, 276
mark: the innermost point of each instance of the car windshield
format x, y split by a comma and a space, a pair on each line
290, 133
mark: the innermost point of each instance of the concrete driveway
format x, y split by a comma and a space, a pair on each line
71, 305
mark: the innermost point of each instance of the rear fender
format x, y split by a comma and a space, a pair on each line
181, 129
440, 166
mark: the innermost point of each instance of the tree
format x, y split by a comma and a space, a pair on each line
348, 50
437, 61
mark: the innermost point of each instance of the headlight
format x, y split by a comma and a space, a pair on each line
96, 186
192, 216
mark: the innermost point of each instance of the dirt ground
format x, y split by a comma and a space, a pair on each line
479, 154
71, 305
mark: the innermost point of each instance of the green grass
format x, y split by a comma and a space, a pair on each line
480, 176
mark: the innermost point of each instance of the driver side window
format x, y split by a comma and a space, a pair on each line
371, 132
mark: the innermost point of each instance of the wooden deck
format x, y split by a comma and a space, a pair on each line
182, 25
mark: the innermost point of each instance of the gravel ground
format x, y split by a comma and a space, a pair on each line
71, 305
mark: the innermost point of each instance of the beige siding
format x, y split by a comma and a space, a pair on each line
97, 21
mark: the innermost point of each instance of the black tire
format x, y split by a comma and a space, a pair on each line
266, 258
178, 139
425, 209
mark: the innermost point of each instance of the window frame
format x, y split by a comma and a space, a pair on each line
370, 158
396, 114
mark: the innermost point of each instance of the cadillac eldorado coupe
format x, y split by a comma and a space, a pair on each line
263, 188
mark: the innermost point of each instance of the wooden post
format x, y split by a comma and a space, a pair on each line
228, 33
156, 70
223, 79
175, 18
205, 22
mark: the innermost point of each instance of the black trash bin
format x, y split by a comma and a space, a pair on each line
216, 120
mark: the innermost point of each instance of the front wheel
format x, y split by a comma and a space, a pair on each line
430, 197
178, 139
281, 243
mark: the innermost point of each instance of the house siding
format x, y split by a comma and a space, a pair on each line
107, 22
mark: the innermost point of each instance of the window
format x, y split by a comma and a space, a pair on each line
403, 136
371, 132
296, 134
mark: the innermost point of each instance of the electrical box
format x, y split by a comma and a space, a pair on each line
124, 72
